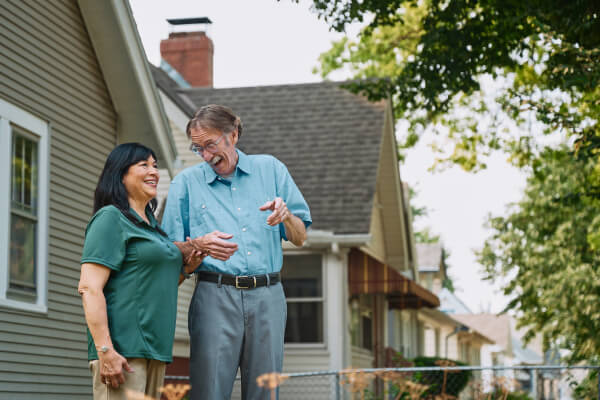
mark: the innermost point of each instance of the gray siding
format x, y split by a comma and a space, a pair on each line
48, 67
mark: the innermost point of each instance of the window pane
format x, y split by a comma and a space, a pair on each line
17, 167
22, 253
304, 323
24, 172
367, 333
301, 275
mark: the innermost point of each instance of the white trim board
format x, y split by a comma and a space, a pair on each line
10, 113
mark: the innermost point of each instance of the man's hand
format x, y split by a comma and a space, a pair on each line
280, 211
111, 366
216, 245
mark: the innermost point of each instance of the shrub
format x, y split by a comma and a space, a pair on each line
456, 381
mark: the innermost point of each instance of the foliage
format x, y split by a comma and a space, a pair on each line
431, 57
499, 395
436, 59
587, 388
456, 381
548, 247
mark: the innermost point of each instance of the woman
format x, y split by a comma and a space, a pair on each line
129, 276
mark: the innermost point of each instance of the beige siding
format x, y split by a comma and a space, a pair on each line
376, 245
183, 146
48, 67
186, 290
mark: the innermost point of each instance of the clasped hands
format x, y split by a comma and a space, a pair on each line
218, 245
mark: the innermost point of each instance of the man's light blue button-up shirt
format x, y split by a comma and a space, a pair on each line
201, 202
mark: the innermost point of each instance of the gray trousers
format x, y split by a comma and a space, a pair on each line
231, 328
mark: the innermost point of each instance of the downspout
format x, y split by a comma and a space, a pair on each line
456, 330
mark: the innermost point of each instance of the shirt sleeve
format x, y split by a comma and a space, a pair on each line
289, 192
176, 218
105, 243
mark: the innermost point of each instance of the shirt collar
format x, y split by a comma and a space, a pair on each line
149, 215
243, 165
244, 162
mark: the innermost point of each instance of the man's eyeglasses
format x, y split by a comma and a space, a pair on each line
211, 147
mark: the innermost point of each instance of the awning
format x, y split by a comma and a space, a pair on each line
366, 275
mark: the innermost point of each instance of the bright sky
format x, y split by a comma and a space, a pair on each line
266, 42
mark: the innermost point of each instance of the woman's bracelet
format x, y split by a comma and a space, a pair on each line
185, 274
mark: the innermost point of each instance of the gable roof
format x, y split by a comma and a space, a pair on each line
169, 87
496, 327
328, 138
451, 304
499, 328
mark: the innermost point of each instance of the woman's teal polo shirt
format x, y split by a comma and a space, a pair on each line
141, 292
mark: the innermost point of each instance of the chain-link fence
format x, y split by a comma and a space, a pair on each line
538, 382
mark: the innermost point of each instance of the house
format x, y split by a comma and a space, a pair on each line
443, 335
357, 269
74, 83
508, 349
432, 266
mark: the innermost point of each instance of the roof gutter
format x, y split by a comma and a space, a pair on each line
317, 238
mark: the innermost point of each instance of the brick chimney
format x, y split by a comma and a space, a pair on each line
190, 53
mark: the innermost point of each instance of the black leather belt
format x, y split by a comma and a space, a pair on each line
240, 282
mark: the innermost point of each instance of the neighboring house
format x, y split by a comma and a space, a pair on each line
357, 269
432, 267
74, 82
508, 349
443, 335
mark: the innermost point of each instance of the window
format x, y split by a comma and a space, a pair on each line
302, 278
24, 207
361, 322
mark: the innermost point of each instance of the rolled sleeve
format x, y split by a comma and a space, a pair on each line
289, 192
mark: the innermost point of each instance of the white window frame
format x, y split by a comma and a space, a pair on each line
358, 304
10, 113
322, 299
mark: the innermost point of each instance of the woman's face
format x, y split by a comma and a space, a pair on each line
141, 180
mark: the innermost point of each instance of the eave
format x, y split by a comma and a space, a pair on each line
122, 59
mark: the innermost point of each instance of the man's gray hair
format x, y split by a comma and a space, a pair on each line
214, 116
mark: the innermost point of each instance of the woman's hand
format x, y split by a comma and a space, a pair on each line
112, 365
193, 258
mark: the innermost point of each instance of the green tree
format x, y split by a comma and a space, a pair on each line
431, 56
436, 60
548, 247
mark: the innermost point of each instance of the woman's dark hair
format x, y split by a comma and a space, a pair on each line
111, 190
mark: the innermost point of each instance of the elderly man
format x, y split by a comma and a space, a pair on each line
238, 207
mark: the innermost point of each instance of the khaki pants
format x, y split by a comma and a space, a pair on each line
147, 378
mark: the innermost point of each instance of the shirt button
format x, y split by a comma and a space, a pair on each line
249, 253
239, 209
203, 205
243, 229
232, 188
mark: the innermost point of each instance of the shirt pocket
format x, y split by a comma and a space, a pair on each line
199, 220
269, 227
263, 215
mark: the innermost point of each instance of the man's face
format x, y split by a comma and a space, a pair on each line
224, 159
